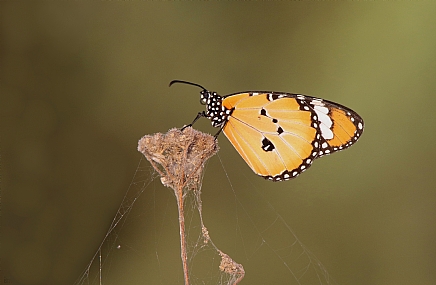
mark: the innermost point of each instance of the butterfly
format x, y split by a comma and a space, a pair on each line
278, 134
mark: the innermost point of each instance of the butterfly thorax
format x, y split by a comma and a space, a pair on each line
215, 111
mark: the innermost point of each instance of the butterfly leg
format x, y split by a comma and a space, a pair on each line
199, 115
219, 131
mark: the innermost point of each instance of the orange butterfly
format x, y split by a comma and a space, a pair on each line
279, 134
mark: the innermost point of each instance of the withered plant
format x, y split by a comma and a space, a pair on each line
179, 158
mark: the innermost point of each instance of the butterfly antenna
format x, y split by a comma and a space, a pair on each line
186, 82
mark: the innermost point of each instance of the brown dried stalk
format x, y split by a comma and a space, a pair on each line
179, 158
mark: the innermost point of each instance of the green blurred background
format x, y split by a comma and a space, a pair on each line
82, 82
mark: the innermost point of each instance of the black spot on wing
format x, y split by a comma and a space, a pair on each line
263, 112
267, 145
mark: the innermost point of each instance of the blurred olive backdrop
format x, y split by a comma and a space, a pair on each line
82, 82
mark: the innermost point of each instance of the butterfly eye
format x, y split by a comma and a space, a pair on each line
204, 95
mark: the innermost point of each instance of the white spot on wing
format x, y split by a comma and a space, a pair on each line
326, 132
324, 110
326, 122
317, 102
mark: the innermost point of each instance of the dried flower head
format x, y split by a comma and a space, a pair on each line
179, 156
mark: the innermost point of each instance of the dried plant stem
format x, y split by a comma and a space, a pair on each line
183, 249
179, 158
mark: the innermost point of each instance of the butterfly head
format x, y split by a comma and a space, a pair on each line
215, 111
204, 96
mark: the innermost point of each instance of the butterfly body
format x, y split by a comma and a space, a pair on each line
278, 134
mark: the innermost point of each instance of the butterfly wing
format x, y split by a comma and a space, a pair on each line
275, 133
280, 134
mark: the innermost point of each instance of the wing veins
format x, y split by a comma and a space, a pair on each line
249, 145
274, 133
271, 133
